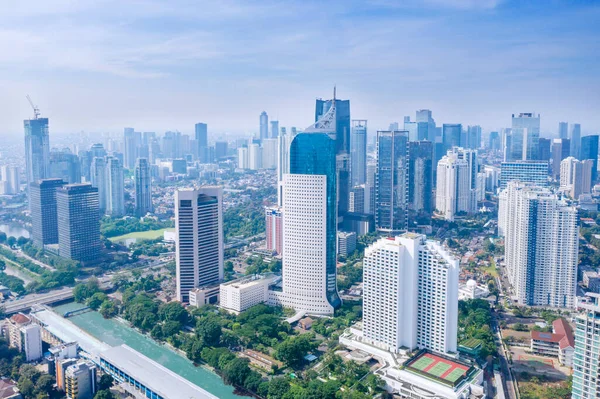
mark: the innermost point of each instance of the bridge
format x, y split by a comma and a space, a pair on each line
75, 312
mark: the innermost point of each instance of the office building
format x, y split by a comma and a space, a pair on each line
589, 150
575, 136
44, 216
310, 221
269, 154
356, 203
492, 178
544, 149
453, 189
255, 152
342, 121
98, 177
274, 129
473, 137
451, 135
143, 188
64, 165
199, 243
264, 126
243, 158
78, 222
391, 181
201, 138
561, 149
541, 245
358, 152
10, 175
274, 229
586, 358
494, 143
37, 149
243, 293
221, 150
535, 172
346, 243
80, 380
525, 134
420, 176
576, 176
131, 143
114, 190
410, 295
563, 130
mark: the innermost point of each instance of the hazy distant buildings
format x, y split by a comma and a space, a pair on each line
269, 153
576, 176
274, 129
221, 150
264, 125
37, 149
358, 152
524, 137
98, 177
78, 222
541, 245
114, 190
199, 243
420, 176
563, 130
255, 153
243, 158
575, 136
131, 141
64, 165
561, 149
589, 150
451, 135
10, 179
44, 219
143, 188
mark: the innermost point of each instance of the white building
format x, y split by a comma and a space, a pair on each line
541, 245
492, 178
346, 244
24, 336
576, 176
269, 153
199, 246
410, 295
98, 180
586, 359
470, 290
243, 293
115, 194
243, 160
481, 178
255, 156
453, 189
10, 175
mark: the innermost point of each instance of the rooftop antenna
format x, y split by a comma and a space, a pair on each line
333, 93
36, 110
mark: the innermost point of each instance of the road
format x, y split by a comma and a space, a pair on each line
22, 254
507, 380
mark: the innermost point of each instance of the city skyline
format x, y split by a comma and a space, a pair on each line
132, 73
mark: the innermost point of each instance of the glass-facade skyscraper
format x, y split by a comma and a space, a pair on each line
420, 176
37, 149
451, 135
143, 188
342, 122
589, 150
358, 152
42, 202
201, 136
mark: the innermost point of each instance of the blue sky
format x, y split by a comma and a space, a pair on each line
100, 65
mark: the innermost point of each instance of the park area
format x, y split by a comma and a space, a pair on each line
140, 235
441, 368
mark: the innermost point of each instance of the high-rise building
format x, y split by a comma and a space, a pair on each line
544, 149
143, 188
358, 152
10, 175
561, 149
201, 135
346, 243
37, 149
115, 192
525, 134
264, 125
269, 153
391, 181
220, 149
494, 141
420, 176
64, 165
453, 189
98, 179
310, 221
541, 245
575, 136
473, 137
25, 336
586, 358
563, 130
356, 203
255, 153
410, 295
576, 176
342, 121
130, 146
199, 242
451, 135
78, 222
44, 220
80, 380
589, 150
535, 172
243, 158
274, 229
274, 129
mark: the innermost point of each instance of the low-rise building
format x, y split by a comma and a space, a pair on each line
591, 280
80, 380
204, 295
471, 290
8, 389
346, 243
25, 336
243, 293
560, 343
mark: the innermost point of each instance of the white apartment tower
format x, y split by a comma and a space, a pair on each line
410, 295
453, 189
586, 358
199, 238
541, 245
98, 180
115, 193
576, 176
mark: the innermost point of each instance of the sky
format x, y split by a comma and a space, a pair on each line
101, 65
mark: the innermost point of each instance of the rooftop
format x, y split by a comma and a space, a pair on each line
438, 368
158, 378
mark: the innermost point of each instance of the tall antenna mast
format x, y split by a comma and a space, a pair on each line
36, 110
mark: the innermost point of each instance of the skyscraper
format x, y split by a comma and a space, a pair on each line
310, 222
37, 149
130, 145
563, 130
44, 220
342, 122
78, 222
283, 161
420, 176
199, 243
576, 176
10, 175
586, 358
589, 150
575, 136
473, 137
255, 153
201, 135
143, 188
264, 125
451, 135
220, 149
274, 229
391, 181
98, 180
561, 149
410, 295
541, 245
525, 132
274, 129
269, 153
115, 193
358, 152
544, 149
64, 165
453, 190
535, 172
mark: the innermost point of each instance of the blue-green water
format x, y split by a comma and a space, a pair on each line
116, 333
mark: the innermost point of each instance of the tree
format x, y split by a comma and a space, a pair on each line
170, 328
278, 387
3, 237
21, 241
173, 311
11, 241
96, 300
293, 349
104, 394
106, 381
108, 309
45, 384
209, 330
236, 371
253, 381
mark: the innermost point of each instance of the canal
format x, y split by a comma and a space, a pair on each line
116, 333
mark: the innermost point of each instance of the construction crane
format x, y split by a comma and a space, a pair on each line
36, 110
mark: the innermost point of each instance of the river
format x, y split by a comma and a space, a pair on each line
14, 230
116, 333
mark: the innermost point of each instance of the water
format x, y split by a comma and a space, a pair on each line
14, 230
116, 333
